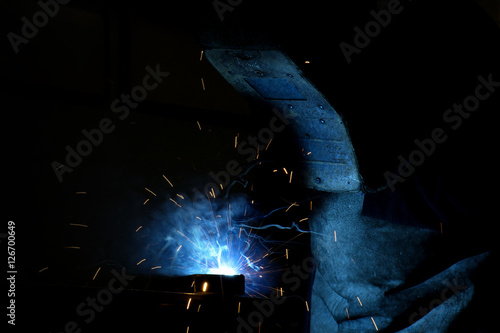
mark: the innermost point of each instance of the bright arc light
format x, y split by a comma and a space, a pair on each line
223, 270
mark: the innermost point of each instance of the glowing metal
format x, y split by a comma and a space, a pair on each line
223, 271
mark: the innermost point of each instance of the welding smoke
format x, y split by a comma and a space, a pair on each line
201, 236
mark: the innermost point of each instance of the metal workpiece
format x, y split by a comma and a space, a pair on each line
271, 78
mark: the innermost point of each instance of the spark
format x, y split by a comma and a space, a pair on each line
235, 141
201, 55
267, 146
138, 228
145, 202
359, 301
186, 237
199, 126
293, 204
205, 285
80, 192
307, 306
166, 177
239, 306
304, 219
286, 254
96, 273
178, 248
140, 262
175, 203
180, 196
156, 267
199, 306
374, 323
43, 269
147, 189
347, 313
307, 62
203, 84
286, 172
335, 235
189, 303
291, 174
72, 247
311, 205
79, 225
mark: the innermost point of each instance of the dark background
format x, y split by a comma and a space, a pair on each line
65, 78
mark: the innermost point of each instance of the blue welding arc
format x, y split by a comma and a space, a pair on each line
242, 181
294, 225
260, 239
250, 264
263, 216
